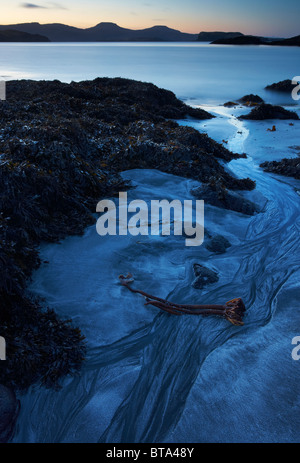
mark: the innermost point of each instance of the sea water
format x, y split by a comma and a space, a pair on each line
199, 72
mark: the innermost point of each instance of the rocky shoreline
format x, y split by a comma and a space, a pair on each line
62, 148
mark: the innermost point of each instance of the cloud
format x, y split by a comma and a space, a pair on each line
31, 5
49, 6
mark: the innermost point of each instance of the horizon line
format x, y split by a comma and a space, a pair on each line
138, 29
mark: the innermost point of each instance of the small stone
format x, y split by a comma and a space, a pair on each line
204, 276
218, 244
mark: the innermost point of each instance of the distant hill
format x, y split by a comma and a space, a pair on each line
111, 32
242, 40
254, 40
292, 42
211, 36
103, 32
8, 35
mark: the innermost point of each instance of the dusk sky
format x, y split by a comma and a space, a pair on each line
261, 17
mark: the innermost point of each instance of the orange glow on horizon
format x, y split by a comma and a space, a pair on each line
193, 18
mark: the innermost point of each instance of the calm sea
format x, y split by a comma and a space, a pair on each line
197, 72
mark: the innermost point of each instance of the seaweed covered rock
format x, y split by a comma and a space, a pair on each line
40, 346
107, 99
177, 150
250, 100
247, 100
9, 410
287, 167
268, 111
284, 86
230, 104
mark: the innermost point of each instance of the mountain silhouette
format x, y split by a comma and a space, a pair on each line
8, 35
102, 32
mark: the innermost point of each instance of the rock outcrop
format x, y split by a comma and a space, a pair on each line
287, 167
268, 111
251, 99
284, 86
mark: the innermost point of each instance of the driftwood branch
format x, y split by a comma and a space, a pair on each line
233, 310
